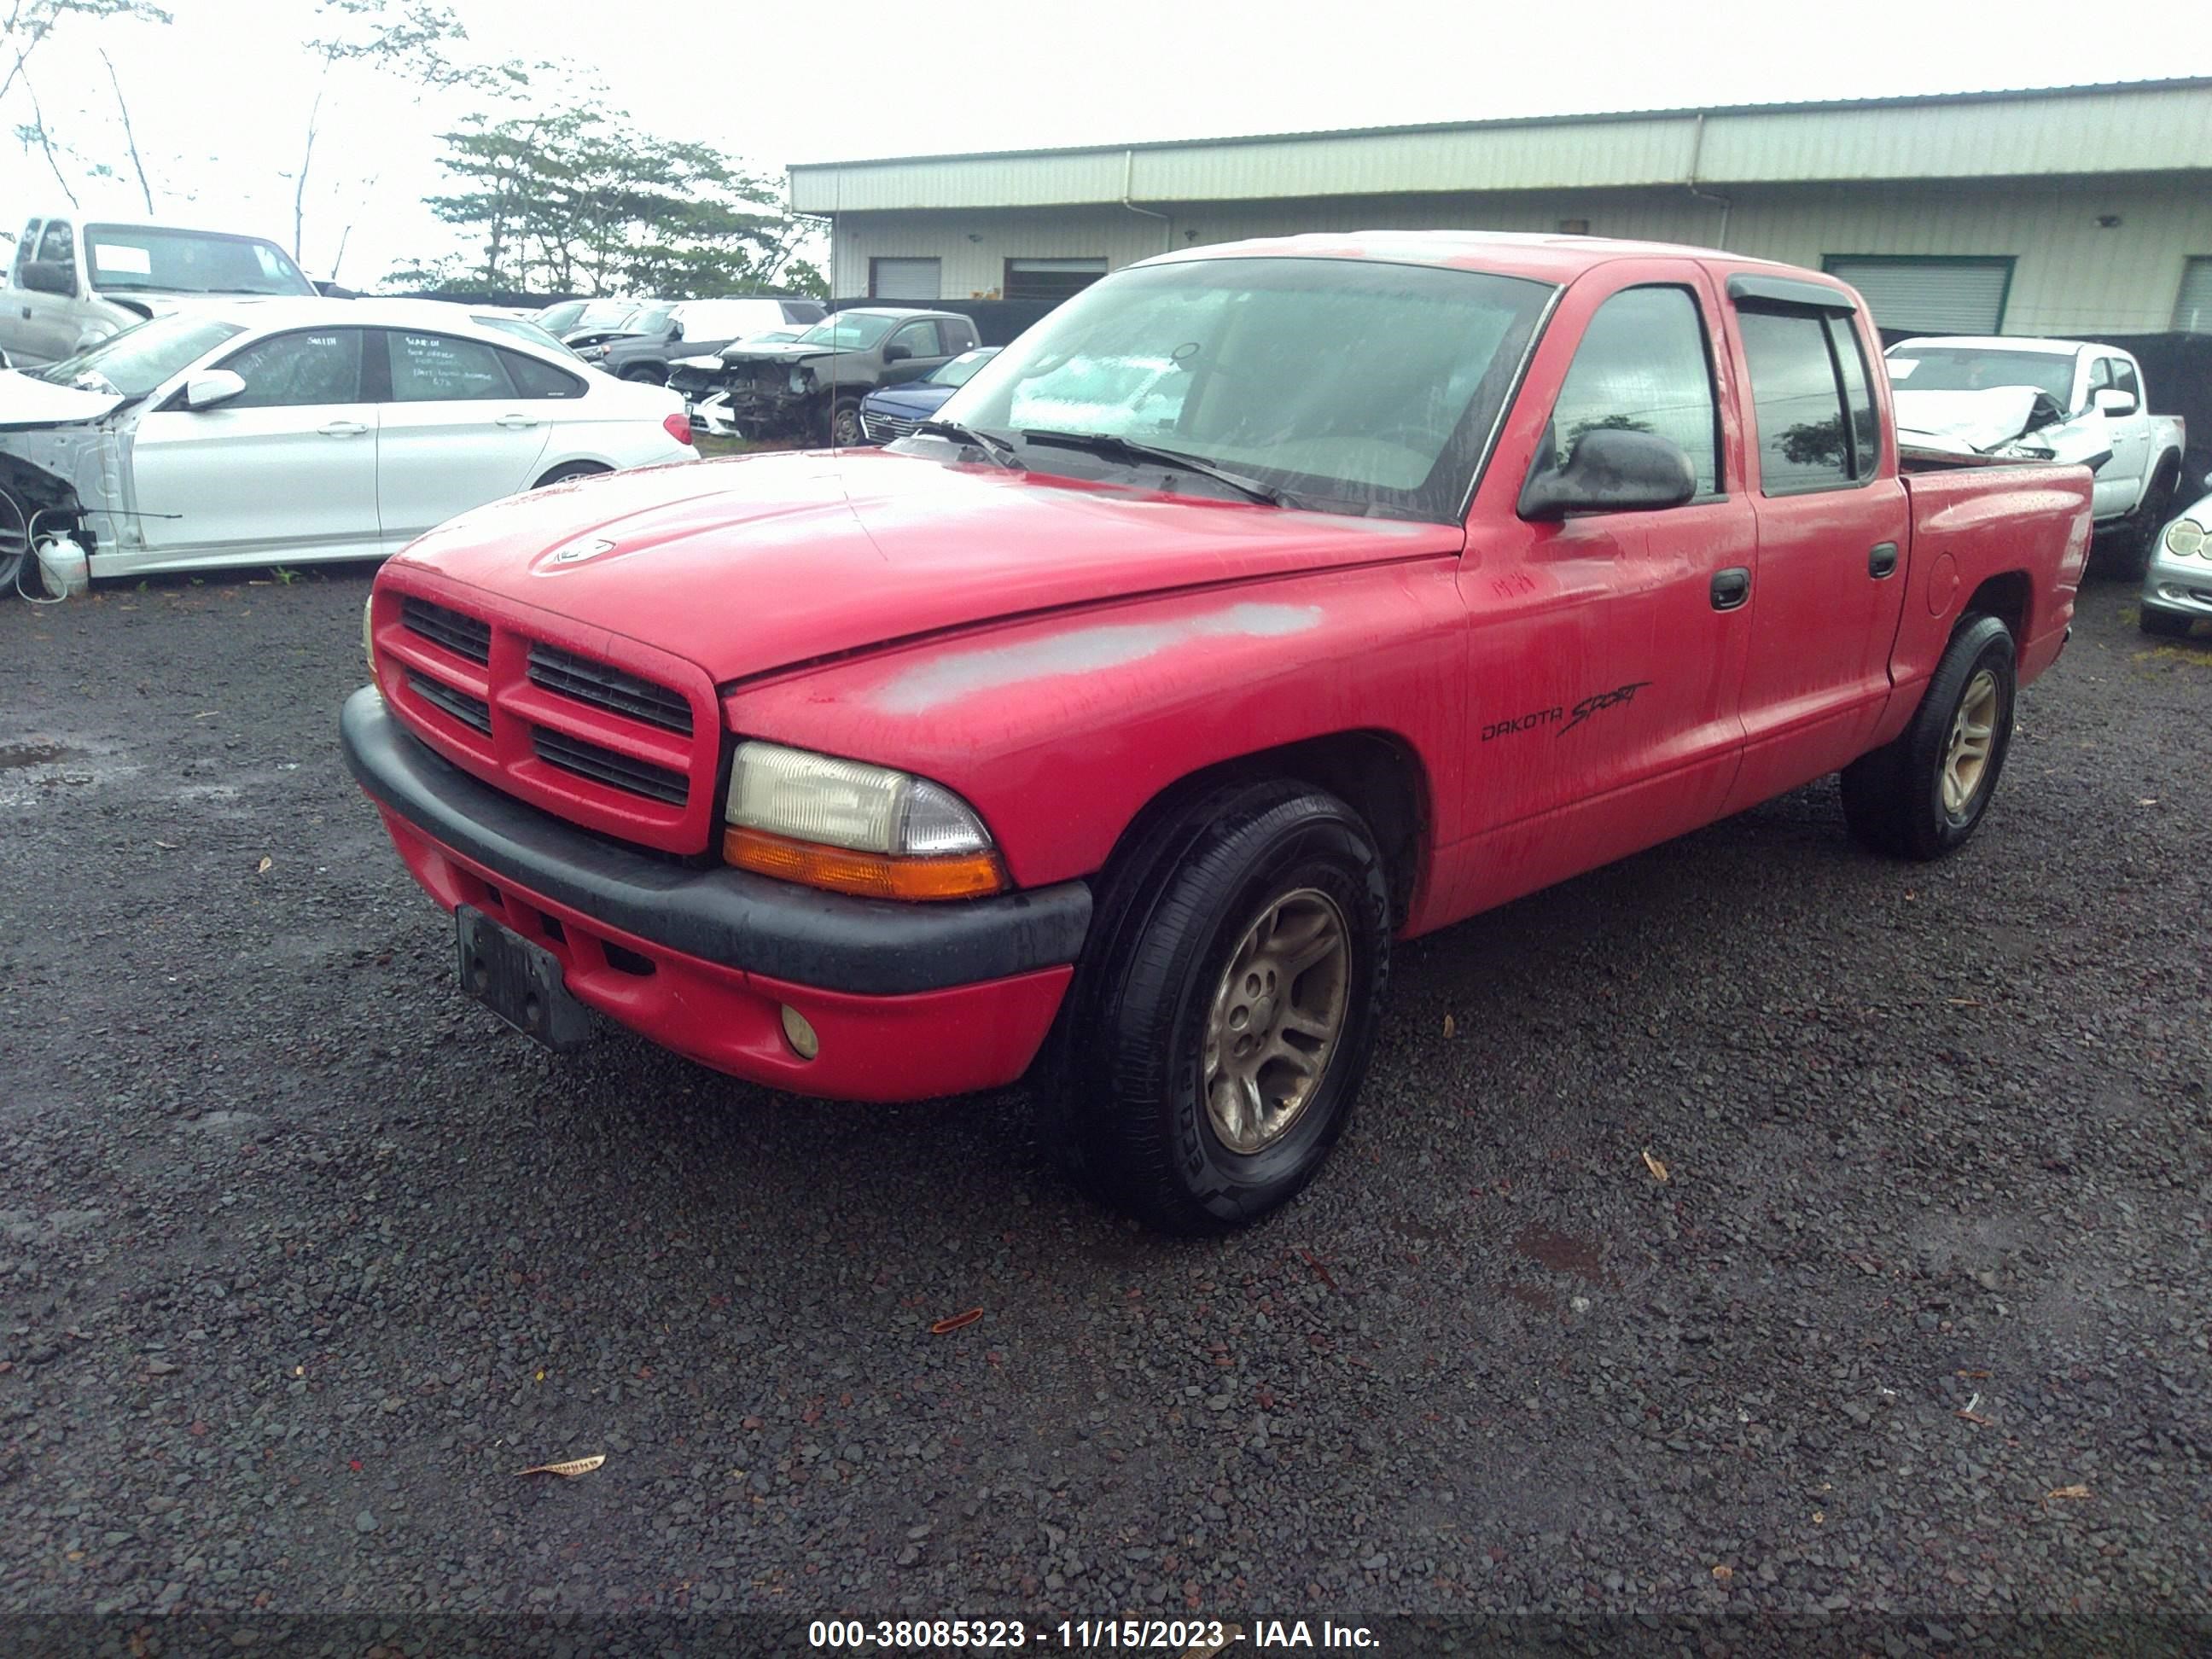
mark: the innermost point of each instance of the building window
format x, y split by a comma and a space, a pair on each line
2192, 312
904, 279
1928, 295
1050, 279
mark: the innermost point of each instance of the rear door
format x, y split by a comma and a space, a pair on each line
285, 470
1833, 523
1606, 649
454, 434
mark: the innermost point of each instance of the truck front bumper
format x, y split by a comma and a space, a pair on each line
907, 1001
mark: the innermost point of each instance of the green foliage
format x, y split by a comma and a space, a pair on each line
577, 199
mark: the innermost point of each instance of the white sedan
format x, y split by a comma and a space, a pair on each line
283, 431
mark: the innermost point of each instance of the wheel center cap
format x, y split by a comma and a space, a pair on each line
1263, 1018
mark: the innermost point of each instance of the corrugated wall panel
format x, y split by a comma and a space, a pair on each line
2128, 130
2070, 274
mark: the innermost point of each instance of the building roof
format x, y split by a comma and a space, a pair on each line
1542, 257
2131, 126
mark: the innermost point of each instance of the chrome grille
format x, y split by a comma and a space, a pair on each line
882, 429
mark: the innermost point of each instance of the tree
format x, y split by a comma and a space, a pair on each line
415, 40
28, 25
575, 199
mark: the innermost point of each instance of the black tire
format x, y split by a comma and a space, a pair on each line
2126, 547
573, 470
647, 375
845, 431
1173, 912
2163, 624
1894, 798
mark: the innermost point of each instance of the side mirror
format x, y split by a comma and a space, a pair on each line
2110, 400
4, 364
215, 386
1610, 470
897, 354
50, 277
675, 330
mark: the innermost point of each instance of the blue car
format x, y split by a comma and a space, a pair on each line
896, 410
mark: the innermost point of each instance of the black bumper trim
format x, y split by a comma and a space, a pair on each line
869, 947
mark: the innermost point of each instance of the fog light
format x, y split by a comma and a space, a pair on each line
799, 1033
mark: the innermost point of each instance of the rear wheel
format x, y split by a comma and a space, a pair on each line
573, 470
1925, 793
1225, 1014
645, 376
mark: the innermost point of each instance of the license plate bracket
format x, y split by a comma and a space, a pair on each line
517, 979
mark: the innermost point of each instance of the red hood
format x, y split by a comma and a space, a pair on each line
750, 564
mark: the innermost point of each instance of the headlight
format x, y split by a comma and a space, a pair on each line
853, 828
2185, 538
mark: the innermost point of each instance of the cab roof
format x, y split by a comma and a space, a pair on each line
1540, 257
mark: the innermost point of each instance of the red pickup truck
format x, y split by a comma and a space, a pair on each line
1262, 605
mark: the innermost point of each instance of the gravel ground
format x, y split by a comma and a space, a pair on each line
301, 1258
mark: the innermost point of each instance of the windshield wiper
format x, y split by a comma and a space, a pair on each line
1111, 444
1000, 451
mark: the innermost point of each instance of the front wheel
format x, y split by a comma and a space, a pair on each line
845, 429
1925, 793
1226, 1016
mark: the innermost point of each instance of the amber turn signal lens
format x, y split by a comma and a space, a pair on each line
867, 875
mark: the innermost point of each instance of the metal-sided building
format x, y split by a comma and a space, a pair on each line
2072, 210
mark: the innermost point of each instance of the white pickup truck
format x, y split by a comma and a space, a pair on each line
2065, 400
72, 282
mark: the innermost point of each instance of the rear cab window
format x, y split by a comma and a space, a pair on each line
1811, 407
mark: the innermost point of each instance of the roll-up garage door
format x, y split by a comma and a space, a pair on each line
1928, 296
2193, 315
903, 279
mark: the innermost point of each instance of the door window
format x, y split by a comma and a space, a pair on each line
920, 340
534, 379
1858, 402
315, 365
1642, 367
437, 368
58, 246
26, 249
1805, 440
2125, 378
2100, 376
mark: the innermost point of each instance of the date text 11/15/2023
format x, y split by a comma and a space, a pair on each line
1190, 1639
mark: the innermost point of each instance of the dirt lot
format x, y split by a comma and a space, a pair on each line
301, 1257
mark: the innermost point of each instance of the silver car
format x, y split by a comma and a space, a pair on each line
2177, 590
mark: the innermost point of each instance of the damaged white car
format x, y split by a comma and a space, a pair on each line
282, 432
2015, 397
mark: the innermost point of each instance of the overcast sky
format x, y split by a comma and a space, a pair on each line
219, 98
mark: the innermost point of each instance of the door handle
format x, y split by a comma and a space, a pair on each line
1882, 561
516, 422
342, 429
1731, 587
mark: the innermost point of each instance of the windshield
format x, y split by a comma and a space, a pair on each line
132, 259
1357, 387
1973, 368
961, 369
848, 331
132, 363
648, 319
523, 329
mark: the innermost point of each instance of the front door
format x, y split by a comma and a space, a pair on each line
50, 323
285, 470
1833, 528
1605, 650
926, 354
454, 435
